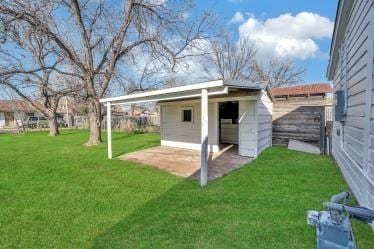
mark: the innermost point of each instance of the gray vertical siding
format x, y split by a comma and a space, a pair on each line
353, 149
247, 128
264, 121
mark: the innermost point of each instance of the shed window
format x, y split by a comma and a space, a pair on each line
186, 115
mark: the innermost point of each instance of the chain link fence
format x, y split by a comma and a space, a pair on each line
141, 124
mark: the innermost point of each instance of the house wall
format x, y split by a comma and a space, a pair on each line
248, 128
176, 133
353, 140
254, 132
19, 117
264, 121
2, 119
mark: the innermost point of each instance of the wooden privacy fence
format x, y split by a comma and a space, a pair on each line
295, 121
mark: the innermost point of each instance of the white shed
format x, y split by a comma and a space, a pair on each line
205, 115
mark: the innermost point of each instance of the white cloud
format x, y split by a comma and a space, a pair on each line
237, 18
287, 36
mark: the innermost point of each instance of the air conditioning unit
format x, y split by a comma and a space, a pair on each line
340, 105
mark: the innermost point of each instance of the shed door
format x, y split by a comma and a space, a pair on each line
228, 122
247, 128
9, 119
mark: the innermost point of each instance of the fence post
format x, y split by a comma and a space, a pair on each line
322, 132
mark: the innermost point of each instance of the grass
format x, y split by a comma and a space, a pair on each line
56, 193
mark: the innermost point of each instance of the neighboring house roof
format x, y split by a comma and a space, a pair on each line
217, 87
15, 105
301, 90
341, 21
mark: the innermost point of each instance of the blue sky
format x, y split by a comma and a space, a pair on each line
314, 44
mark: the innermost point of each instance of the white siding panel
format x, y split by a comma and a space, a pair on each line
353, 149
173, 129
264, 121
247, 128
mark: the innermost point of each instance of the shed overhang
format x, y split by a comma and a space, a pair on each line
217, 87
200, 90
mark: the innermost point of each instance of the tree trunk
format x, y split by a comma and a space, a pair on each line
53, 126
94, 119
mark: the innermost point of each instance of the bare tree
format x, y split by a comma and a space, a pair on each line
228, 59
94, 36
146, 75
279, 72
33, 73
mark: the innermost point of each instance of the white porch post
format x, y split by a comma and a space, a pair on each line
109, 128
204, 139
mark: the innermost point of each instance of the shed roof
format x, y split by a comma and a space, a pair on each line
15, 105
311, 89
217, 87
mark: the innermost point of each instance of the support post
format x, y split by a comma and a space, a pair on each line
204, 139
109, 128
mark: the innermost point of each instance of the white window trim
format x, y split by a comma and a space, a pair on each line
182, 109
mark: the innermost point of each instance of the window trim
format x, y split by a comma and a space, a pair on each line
182, 112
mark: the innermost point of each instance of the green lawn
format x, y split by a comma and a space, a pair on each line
56, 193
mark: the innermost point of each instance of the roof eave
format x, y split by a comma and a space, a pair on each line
215, 87
341, 20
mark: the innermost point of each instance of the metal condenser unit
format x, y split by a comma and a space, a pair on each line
333, 228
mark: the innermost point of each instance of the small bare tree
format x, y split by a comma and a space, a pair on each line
228, 59
279, 72
146, 75
33, 73
94, 36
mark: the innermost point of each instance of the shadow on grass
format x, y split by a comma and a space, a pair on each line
222, 215
261, 206
159, 223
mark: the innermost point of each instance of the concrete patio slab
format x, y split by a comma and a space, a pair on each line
186, 163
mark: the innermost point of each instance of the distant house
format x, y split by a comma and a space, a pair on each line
141, 110
351, 68
298, 112
312, 94
15, 111
68, 108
